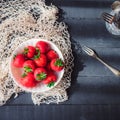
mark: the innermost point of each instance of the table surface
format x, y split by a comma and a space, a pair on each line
95, 91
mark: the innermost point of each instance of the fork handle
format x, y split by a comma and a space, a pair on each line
115, 71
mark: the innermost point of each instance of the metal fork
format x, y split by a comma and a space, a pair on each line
108, 17
90, 52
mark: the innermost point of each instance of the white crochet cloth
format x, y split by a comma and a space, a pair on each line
21, 20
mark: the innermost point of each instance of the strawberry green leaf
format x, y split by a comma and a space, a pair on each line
23, 75
38, 53
59, 63
27, 69
51, 84
25, 51
14, 56
41, 76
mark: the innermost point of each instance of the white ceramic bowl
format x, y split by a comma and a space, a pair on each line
17, 72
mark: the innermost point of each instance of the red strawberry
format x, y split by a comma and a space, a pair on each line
40, 74
40, 59
29, 51
29, 66
43, 46
28, 80
50, 80
52, 54
19, 60
57, 64
48, 67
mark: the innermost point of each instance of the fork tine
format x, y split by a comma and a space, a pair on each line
107, 14
87, 50
108, 17
107, 20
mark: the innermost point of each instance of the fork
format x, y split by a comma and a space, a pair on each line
108, 17
92, 53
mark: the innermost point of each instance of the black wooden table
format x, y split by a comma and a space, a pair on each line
95, 91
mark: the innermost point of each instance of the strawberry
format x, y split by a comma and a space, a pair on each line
29, 51
48, 67
29, 66
50, 80
57, 64
40, 59
18, 60
28, 80
52, 54
43, 46
40, 74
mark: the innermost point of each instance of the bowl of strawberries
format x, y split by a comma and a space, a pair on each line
36, 65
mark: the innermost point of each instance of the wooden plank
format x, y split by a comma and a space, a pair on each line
91, 32
95, 90
88, 66
81, 2
61, 112
84, 13
82, 8
85, 90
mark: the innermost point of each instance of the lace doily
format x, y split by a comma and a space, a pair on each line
21, 20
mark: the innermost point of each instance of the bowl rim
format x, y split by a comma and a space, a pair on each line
30, 89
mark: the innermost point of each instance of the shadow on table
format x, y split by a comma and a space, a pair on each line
77, 53
19, 100
78, 64
107, 88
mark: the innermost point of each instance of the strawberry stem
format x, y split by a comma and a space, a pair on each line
23, 75
14, 56
41, 76
28, 69
51, 84
25, 51
59, 63
38, 53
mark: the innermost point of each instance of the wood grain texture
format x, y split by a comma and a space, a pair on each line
85, 3
92, 32
85, 90
86, 28
61, 112
93, 87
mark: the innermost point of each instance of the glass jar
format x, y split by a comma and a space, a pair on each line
114, 28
